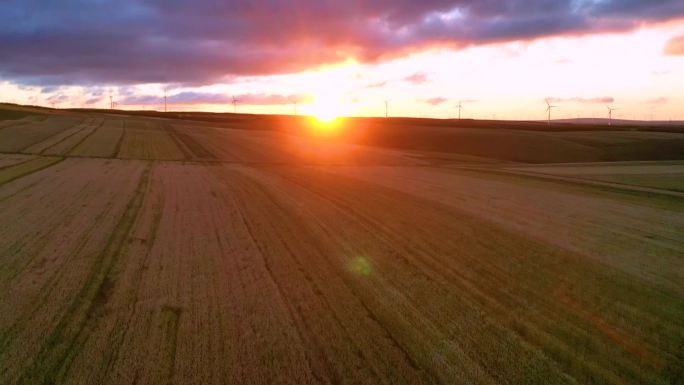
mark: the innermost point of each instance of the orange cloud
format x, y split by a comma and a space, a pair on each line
417, 78
435, 101
675, 46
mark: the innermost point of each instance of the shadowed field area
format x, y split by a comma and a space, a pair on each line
204, 250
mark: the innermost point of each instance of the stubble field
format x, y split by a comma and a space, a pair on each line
139, 250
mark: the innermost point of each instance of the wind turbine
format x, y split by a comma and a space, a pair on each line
235, 104
610, 115
164, 99
386, 108
460, 107
549, 107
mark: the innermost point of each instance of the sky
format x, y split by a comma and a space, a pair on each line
500, 59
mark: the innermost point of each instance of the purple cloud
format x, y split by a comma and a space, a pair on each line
189, 98
159, 41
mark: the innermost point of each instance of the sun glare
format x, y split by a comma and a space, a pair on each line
326, 111
329, 91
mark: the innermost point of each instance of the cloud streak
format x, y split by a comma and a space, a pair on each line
598, 100
659, 100
435, 101
417, 78
198, 98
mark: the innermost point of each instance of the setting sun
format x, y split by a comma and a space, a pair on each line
327, 106
326, 111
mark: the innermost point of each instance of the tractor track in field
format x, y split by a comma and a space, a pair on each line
118, 335
16, 171
280, 290
85, 124
49, 285
611, 186
453, 277
48, 364
318, 292
17, 163
192, 149
119, 142
372, 226
93, 128
51, 282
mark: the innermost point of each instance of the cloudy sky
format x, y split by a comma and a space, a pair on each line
501, 58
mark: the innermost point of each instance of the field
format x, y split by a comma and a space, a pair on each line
229, 249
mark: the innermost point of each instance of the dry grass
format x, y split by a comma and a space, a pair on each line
7, 160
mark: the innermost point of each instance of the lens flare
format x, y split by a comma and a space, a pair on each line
361, 265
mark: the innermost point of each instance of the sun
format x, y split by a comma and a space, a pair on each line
326, 110
328, 96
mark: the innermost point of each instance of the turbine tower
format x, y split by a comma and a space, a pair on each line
386, 108
610, 115
235, 101
164, 99
549, 107
460, 107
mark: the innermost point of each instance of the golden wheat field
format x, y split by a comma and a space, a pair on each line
143, 250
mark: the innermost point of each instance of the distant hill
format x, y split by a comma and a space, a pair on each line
575, 140
621, 122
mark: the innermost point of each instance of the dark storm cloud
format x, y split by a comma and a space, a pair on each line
202, 41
